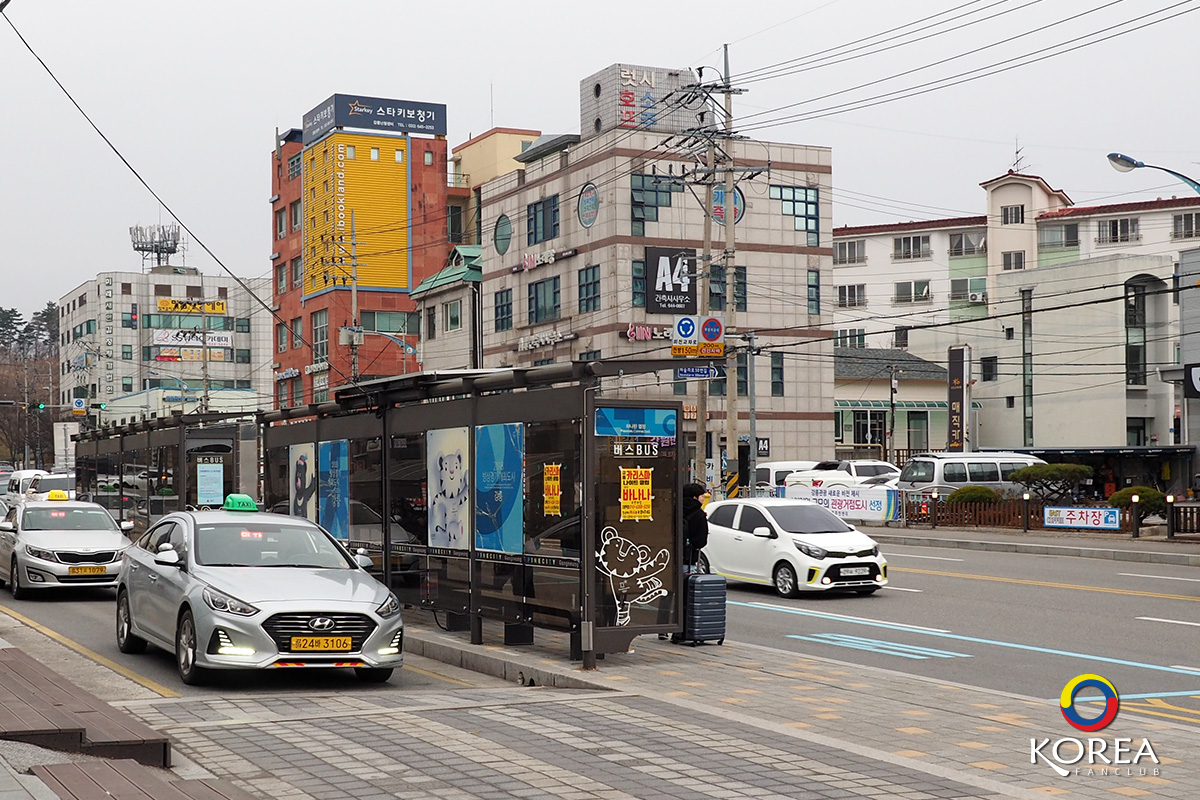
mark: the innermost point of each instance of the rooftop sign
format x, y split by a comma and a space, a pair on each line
374, 113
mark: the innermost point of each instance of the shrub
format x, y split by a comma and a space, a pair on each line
1150, 501
974, 494
1052, 481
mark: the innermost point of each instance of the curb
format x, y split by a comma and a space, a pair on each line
503, 663
1110, 554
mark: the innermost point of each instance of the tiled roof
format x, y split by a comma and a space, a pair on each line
871, 363
1120, 208
956, 222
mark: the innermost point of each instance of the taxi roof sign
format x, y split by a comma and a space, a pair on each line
57, 494
239, 502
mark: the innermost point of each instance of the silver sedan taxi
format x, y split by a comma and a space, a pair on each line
240, 589
58, 542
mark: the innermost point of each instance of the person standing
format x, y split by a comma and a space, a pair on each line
695, 523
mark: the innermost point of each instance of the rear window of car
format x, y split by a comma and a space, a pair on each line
807, 519
954, 473
723, 516
917, 471
1007, 468
47, 483
983, 471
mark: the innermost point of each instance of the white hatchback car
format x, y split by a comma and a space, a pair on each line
794, 545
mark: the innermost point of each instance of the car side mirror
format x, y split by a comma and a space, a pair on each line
765, 532
7, 526
126, 525
167, 558
364, 561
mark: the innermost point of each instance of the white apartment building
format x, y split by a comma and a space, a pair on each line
1069, 310
121, 333
590, 251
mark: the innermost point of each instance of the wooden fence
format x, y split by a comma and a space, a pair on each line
1004, 514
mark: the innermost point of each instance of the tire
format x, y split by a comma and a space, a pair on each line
372, 674
185, 650
869, 590
127, 641
702, 565
19, 592
784, 578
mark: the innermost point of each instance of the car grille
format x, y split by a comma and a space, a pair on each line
282, 627
860, 554
86, 578
104, 557
835, 573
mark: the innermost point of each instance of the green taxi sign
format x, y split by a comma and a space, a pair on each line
239, 502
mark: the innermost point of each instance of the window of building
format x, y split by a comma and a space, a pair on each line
589, 355
374, 153
852, 252
1185, 226
351, 152
297, 327
1135, 334
852, 295
297, 391
543, 362
869, 426
776, 374
193, 292
297, 273
1009, 333
127, 320
989, 368
297, 215
1012, 215
716, 288
281, 337
850, 337
399, 156
146, 354
454, 224
649, 193
504, 310
544, 300
391, 321
814, 291
973, 290
223, 292
502, 235
905, 248
1013, 260
281, 389
639, 284
968, 244
127, 352
541, 220
716, 387
280, 223
900, 337
321, 388
429, 158
589, 289
281, 278
679, 387
126, 385
452, 315
294, 167
1010, 401
126, 288
241, 356
743, 375
431, 323
801, 205
1113, 231
320, 336
911, 292
1052, 237
162, 290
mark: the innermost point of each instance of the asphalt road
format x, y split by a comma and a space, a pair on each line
1012, 622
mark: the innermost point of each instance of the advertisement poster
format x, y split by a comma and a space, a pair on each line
670, 280
636, 493
448, 462
500, 487
552, 490
210, 484
866, 503
302, 481
334, 487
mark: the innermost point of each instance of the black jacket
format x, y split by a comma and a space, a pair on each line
695, 529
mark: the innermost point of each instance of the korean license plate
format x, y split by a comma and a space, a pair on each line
327, 644
87, 570
855, 571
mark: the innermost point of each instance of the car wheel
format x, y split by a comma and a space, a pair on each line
372, 674
185, 650
702, 565
127, 641
785, 581
868, 590
19, 592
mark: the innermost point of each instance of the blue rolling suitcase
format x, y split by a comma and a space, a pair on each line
703, 609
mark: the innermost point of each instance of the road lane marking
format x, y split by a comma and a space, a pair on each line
141, 680
1172, 621
1124, 697
893, 554
880, 646
958, 637
1185, 666
1159, 577
903, 589
1049, 584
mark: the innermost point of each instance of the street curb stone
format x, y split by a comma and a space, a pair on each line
505, 664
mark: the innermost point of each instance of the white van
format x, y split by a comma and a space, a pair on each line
946, 472
18, 484
772, 473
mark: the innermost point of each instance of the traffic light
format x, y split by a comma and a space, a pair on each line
41, 406
133, 316
100, 406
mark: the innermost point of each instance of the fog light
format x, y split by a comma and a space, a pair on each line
388, 651
396, 645
226, 647
826, 580
35, 577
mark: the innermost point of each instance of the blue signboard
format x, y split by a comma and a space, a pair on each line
333, 487
374, 113
500, 487
684, 373
1095, 519
644, 422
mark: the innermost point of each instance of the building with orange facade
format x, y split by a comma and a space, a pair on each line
359, 217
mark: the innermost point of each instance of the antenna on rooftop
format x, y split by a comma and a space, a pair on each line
1019, 164
159, 242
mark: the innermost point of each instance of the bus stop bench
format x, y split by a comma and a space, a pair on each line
129, 780
39, 706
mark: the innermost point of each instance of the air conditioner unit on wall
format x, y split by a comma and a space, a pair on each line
977, 297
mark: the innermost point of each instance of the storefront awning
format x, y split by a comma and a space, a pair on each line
899, 404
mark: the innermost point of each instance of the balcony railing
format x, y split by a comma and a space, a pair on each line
459, 181
1122, 239
912, 256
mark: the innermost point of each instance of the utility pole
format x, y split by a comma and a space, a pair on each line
204, 345
752, 451
25, 463
891, 437
729, 213
702, 306
353, 300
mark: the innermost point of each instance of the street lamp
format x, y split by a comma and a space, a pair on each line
1123, 163
1137, 520
1170, 516
1025, 497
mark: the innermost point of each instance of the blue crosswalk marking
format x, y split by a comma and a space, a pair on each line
880, 646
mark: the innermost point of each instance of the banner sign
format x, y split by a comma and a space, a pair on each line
189, 337
871, 504
191, 306
1094, 519
359, 111
670, 280
958, 399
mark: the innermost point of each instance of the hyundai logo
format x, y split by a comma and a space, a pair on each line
321, 624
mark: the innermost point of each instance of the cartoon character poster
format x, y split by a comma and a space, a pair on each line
500, 487
448, 454
302, 481
334, 487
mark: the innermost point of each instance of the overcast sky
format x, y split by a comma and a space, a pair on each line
191, 93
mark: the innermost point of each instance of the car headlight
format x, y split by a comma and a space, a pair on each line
810, 550
390, 607
44, 555
875, 550
218, 601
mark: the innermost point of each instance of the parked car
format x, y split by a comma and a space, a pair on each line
829, 474
945, 472
18, 483
239, 589
793, 545
54, 543
772, 473
41, 485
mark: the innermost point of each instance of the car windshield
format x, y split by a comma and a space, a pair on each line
263, 543
807, 519
49, 483
68, 519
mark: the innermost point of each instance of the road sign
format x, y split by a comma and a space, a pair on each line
685, 336
687, 373
79, 407
712, 337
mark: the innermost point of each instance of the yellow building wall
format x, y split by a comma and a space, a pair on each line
366, 175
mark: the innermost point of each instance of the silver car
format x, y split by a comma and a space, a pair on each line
56, 543
239, 589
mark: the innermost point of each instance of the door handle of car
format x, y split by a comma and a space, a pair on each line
737, 538
152, 577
